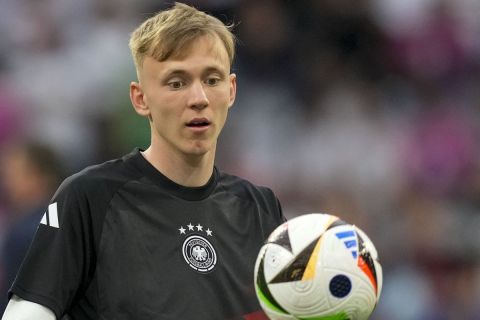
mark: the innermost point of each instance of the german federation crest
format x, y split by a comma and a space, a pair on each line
197, 251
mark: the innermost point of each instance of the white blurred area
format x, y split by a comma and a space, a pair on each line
366, 109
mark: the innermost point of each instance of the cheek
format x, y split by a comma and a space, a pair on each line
162, 107
222, 116
221, 97
226, 104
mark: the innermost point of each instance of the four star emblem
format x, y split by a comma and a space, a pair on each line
198, 227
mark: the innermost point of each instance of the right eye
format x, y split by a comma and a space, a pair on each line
177, 84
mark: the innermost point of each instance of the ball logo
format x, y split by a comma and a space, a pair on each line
197, 251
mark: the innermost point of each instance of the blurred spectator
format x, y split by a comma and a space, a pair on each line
266, 40
30, 174
11, 109
435, 50
441, 149
11, 124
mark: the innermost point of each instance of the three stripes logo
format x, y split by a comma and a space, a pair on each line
349, 238
50, 218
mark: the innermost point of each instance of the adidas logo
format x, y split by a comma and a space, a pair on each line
349, 238
50, 218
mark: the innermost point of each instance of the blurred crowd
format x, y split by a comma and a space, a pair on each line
366, 109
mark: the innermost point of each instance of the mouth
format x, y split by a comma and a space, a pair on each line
198, 123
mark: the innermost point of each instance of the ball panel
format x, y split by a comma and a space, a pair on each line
276, 259
296, 269
360, 305
301, 298
369, 262
280, 237
367, 243
360, 299
379, 269
303, 230
339, 316
263, 290
311, 268
366, 265
337, 252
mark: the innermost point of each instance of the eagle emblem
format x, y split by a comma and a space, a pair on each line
197, 251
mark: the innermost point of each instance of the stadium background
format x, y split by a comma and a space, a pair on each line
365, 109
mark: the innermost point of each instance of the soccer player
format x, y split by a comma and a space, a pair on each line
160, 233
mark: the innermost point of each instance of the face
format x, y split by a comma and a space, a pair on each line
19, 178
186, 98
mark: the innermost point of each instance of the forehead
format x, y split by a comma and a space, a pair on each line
206, 44
203, 52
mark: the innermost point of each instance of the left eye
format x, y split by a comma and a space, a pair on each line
212, 81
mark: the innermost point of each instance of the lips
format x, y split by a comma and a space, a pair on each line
198, 123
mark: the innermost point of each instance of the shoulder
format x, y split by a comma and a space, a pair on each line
245, 189
260, 197
83, 199
104, 177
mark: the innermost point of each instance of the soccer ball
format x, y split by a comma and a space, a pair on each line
316, 266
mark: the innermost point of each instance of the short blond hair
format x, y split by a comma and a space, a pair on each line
169, 32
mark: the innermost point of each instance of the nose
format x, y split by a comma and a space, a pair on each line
198, 97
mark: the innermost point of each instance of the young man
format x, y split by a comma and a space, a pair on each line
160, 233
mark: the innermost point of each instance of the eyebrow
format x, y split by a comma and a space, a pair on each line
183, 72
175, 72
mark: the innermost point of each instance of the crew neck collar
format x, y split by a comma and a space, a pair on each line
186, 193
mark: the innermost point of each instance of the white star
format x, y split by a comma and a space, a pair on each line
209, 232
199, 227
182, 230
190, 227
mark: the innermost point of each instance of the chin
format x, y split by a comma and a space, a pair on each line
198, 150
199, 147
196, 153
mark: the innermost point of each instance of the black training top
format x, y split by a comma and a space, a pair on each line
122, 241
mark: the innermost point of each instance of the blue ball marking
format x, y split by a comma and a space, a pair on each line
340, 286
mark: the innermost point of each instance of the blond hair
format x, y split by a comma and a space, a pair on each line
168, 33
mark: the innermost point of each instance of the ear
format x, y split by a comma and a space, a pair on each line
137, 97
233, 88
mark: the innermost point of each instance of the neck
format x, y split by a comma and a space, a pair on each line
186, 170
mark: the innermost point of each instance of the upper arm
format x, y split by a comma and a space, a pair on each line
60, 258
19, 309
